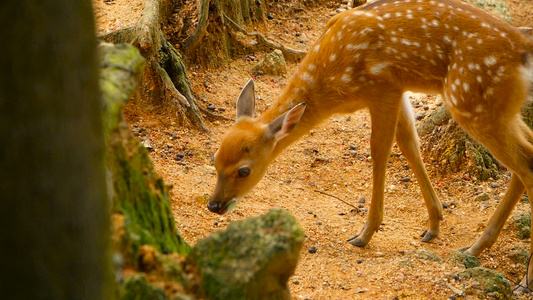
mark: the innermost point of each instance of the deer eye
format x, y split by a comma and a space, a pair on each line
243, 172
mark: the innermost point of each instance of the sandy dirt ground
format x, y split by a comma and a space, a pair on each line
330, 161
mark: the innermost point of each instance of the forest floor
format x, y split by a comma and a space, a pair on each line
395, 263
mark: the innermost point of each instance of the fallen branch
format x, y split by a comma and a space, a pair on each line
290, 54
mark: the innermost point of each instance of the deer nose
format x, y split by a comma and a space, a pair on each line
214, 206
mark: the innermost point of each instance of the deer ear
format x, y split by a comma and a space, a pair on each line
246, 101
282, 125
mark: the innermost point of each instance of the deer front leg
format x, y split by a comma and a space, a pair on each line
407, 140
488, 238
383, 127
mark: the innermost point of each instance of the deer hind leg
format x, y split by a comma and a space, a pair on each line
384, 115
407, 140
500, 128
503, 210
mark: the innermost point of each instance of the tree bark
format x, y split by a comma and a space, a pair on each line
54, 223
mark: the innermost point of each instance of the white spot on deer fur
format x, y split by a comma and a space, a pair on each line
379, 18
454, 100
332, 78
479, 41
346, 78
386, 16
349, 69
435, 23
404, 55
455, 28
496, 79
478, 67
471, 66
339, 35
364, 31
469, 48
358, 13
457, 81
311, 67
308, 78
362, 78
454, 66
454, 88
466, 86
433, 62
398, 14
447, 39
381, 26
446, 26
503, 34
485, 25
332, 57
479, 79
377, 68
406, 42
409, 16
394, 39
490, 61
369, 14
441, 5
424, 26
479, 109
317, 47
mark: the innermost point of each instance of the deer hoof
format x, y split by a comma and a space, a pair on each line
427, 236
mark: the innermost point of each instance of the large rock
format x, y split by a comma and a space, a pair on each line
251, 259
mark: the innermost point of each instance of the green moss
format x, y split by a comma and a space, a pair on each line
137, 288
522, 224
460, 258
487, 283
251, 259
138, 192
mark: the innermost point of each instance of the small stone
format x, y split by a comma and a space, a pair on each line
420, 116
362, 200
270, 16
297, 33
318, 222
353, 147
211, 106
359, 261
455, 276
215, 223
180, 156
483, 197
494, 185
339, 10
312, 250
222, 109
342, 213
425, 107
444, 205
361, 205
353, 152
405, 179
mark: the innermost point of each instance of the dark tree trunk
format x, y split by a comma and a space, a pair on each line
54, 223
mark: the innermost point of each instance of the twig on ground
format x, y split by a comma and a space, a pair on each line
335, 197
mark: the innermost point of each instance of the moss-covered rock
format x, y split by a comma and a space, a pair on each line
459, 257
485, 283
496, 7
136, 287
519, 254
428, 255
273, 64
522, 224
251, 259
